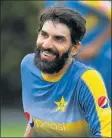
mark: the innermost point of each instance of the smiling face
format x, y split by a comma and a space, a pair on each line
54, 47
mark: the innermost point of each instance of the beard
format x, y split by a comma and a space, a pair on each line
50, 67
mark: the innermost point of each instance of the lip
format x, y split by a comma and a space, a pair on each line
47, 56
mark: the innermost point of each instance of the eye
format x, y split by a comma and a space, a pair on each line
59, 38
44, 34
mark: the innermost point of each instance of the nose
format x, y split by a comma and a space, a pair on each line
48, 43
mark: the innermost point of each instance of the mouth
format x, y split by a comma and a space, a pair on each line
45, 55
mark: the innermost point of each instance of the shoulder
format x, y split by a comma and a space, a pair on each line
92, 76
79, 68
27, 60
87, 73
28, 66
76, 71
94, 82
91, 87
88, 78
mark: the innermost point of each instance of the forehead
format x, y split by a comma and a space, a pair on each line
56, 28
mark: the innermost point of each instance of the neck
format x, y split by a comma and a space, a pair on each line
56, 76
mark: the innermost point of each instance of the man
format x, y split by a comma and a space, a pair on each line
61, 96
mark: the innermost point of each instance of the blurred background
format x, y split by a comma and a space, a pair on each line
19, 22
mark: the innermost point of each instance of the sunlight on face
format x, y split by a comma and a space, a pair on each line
53, 47
55, 36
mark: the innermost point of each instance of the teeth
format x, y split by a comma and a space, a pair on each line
46, 53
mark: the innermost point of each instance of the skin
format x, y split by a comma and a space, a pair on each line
57, 37
29, 132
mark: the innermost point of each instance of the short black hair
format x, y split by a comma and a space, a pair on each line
73, 19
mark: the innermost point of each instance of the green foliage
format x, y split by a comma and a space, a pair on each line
19, 21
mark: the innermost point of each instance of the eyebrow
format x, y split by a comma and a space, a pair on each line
61, 36
43, 31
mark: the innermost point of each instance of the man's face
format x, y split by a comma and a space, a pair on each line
53, 47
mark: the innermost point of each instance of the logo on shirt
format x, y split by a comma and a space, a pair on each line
28, 116
49, 125
61, 104
103, 102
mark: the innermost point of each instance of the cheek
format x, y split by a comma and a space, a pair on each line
62, 48
39, 41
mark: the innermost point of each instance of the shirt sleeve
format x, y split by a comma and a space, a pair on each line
95, 104
26, 89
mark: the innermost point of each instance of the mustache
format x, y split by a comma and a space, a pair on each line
42, 49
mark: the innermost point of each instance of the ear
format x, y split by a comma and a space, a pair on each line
75, 49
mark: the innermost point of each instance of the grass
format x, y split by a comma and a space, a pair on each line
13, 122
13, 130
